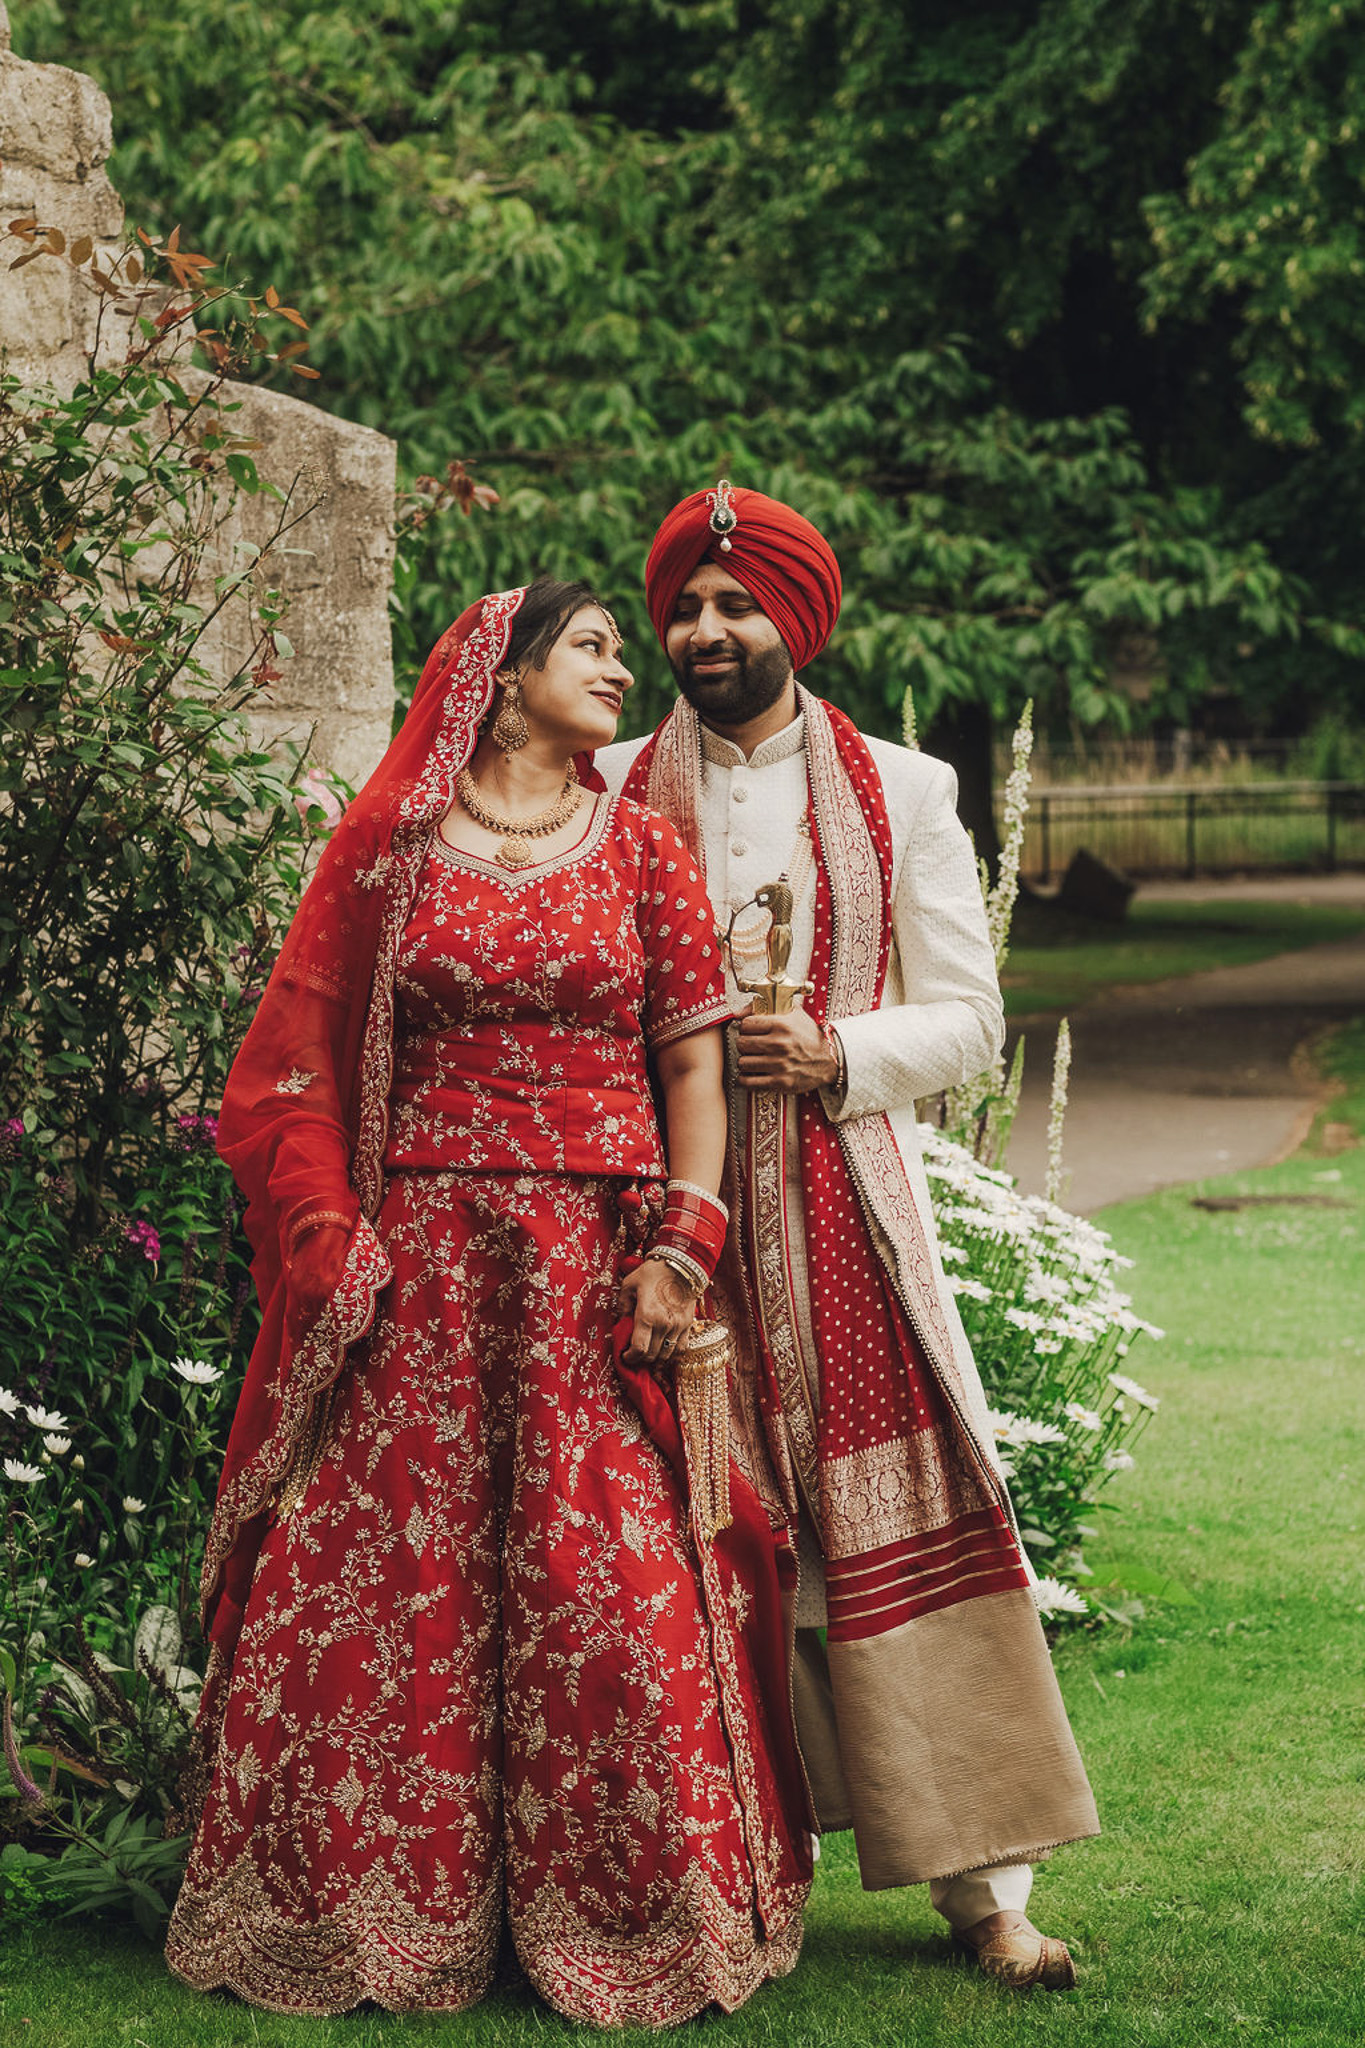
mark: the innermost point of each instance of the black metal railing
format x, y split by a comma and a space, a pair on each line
1166, 829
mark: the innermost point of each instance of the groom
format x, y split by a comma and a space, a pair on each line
929, 1718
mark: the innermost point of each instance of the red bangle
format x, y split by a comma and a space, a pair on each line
693, 1223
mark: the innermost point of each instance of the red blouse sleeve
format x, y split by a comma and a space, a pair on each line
684, 976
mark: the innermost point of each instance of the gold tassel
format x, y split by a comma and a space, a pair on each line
703, 1383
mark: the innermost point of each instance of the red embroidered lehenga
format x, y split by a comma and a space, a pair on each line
469, 1657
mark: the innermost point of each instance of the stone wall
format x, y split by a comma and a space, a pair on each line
56, 134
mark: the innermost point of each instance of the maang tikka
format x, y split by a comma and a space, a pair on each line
509, 729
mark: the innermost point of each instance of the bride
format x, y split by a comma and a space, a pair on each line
474, 1653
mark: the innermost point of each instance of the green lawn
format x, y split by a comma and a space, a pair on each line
1221, 1906
1059, 961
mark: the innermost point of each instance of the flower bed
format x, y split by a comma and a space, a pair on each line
1050, 1328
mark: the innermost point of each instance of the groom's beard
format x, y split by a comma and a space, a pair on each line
737, 694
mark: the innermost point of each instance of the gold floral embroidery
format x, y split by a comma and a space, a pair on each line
295, 1081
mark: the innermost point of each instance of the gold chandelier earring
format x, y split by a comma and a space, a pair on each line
509, 729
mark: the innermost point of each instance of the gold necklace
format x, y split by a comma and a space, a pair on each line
517, 833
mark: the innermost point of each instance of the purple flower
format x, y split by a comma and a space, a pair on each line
29, 1793
143, 1238
197, 1133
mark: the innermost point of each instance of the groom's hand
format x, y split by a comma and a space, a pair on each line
786, 1053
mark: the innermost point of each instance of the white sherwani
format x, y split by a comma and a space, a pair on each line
940, 1021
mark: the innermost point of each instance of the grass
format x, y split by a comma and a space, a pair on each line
1060, 962
1221, 1905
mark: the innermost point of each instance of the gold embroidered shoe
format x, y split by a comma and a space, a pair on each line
1021, 1958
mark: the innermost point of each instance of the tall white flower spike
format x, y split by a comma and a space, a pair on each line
1061, 1072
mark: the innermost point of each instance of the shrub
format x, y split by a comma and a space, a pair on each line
1050, 1329
149, 849
150, 854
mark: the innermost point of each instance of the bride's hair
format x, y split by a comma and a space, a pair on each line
545, 611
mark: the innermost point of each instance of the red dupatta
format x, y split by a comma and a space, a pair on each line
304, 1116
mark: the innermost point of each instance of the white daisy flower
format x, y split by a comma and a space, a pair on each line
1133, 1390
58, 1445
197, 1371
1028, 1432
1118, 1461
132, 1505
82, 1562
10, 1404
1025, 1319
1088, 1418
975, 1290
1054, 1596
1020, 1430
46, 1418
21, 1474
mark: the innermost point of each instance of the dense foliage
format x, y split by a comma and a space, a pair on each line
926, 271
149, 848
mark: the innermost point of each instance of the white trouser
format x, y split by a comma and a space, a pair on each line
1000, 1888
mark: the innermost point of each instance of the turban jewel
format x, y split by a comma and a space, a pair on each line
785, 565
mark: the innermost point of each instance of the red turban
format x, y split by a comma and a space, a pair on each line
785, 565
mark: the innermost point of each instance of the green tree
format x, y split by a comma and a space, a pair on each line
889, 262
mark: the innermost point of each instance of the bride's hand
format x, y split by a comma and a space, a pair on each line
314, 1271
663, 1308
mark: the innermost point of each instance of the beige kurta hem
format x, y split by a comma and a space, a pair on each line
951, 1747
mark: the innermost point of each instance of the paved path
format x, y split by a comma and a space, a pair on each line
1194, 1076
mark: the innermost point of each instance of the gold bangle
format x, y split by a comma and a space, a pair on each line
687, 1269
316, 1221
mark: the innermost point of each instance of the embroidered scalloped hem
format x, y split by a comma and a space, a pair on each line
683, 1985
313, 1996
602, 1990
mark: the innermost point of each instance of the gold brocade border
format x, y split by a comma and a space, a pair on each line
902, 1488
675, 778
408, 857
855, 880
468, 692
869, 1146
237, 1934
392, 1950
762, 1454
868, 1142
767, 1190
